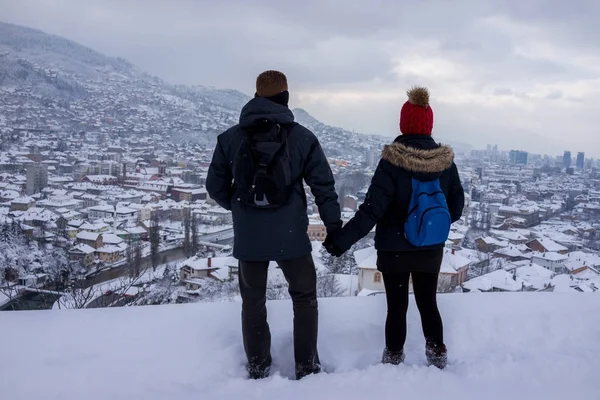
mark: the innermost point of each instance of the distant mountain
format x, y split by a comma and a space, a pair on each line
51, 82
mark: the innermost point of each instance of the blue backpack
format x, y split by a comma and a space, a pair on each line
428, 220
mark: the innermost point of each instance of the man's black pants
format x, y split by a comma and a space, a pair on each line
302, 280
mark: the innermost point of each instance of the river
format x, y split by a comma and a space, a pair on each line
42, 301
114, 273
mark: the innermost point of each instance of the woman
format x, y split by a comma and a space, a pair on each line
414, 154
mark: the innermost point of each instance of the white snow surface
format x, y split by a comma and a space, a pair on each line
502, 346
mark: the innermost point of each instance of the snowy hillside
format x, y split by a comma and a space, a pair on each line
50, 82
502, 346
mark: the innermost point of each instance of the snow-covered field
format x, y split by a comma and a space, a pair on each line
502, 346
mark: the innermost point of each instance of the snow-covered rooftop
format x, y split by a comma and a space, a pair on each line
82, 248
199, 263
85, 235
551, 245
535, 275
499, 279
452, 262
551, 256
366, 258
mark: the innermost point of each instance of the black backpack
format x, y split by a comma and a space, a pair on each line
262, 170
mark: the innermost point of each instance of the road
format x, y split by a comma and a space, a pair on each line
220, 237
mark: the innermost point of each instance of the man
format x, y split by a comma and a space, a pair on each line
257, 172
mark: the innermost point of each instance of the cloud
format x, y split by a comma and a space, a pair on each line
554, 95
498, 71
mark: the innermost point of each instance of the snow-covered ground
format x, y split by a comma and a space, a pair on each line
502, 346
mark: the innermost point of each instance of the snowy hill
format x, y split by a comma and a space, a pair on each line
49, 81
502, 346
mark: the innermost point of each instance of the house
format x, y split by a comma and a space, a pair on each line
479, 260
59, 202
316, 230
70, 215
101, 212
133, 233
590, 274
87, 200
37, 217
488, 244
578, 262
543, 245
144, 212
536, 276
496, 281
76, 223
111, 239
551, 260
224, 216
455, 237
97, 227
92, 239
83, 253
350, 202
101, 179
511, 236
368, 276
525, 216
22, 203
34, 280
195, 269
189, 195
71, 232
511, 253
125, 213
8, 195
111, 253
571, 284
453, 271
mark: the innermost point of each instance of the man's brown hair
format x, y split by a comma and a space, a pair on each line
271, 83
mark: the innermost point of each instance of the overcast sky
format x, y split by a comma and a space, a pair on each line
518, 73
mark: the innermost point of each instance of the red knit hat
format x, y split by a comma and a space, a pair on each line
416, 116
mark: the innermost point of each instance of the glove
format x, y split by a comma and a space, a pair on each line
331, 245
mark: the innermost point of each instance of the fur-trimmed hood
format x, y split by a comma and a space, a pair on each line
421, 161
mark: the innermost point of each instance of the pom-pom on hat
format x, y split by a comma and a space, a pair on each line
416, 116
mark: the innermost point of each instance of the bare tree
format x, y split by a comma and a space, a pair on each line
77, 296
42, 238
9, 288
61, 231
328, 285
195, 237
154, 236
117, 294
481, 266
187, 242
445, 284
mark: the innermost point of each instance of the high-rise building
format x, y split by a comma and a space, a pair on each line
567, 159
372, 157
518, 157
480, 172
37, 177
580, 163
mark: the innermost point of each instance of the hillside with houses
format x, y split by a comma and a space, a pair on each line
103, 171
